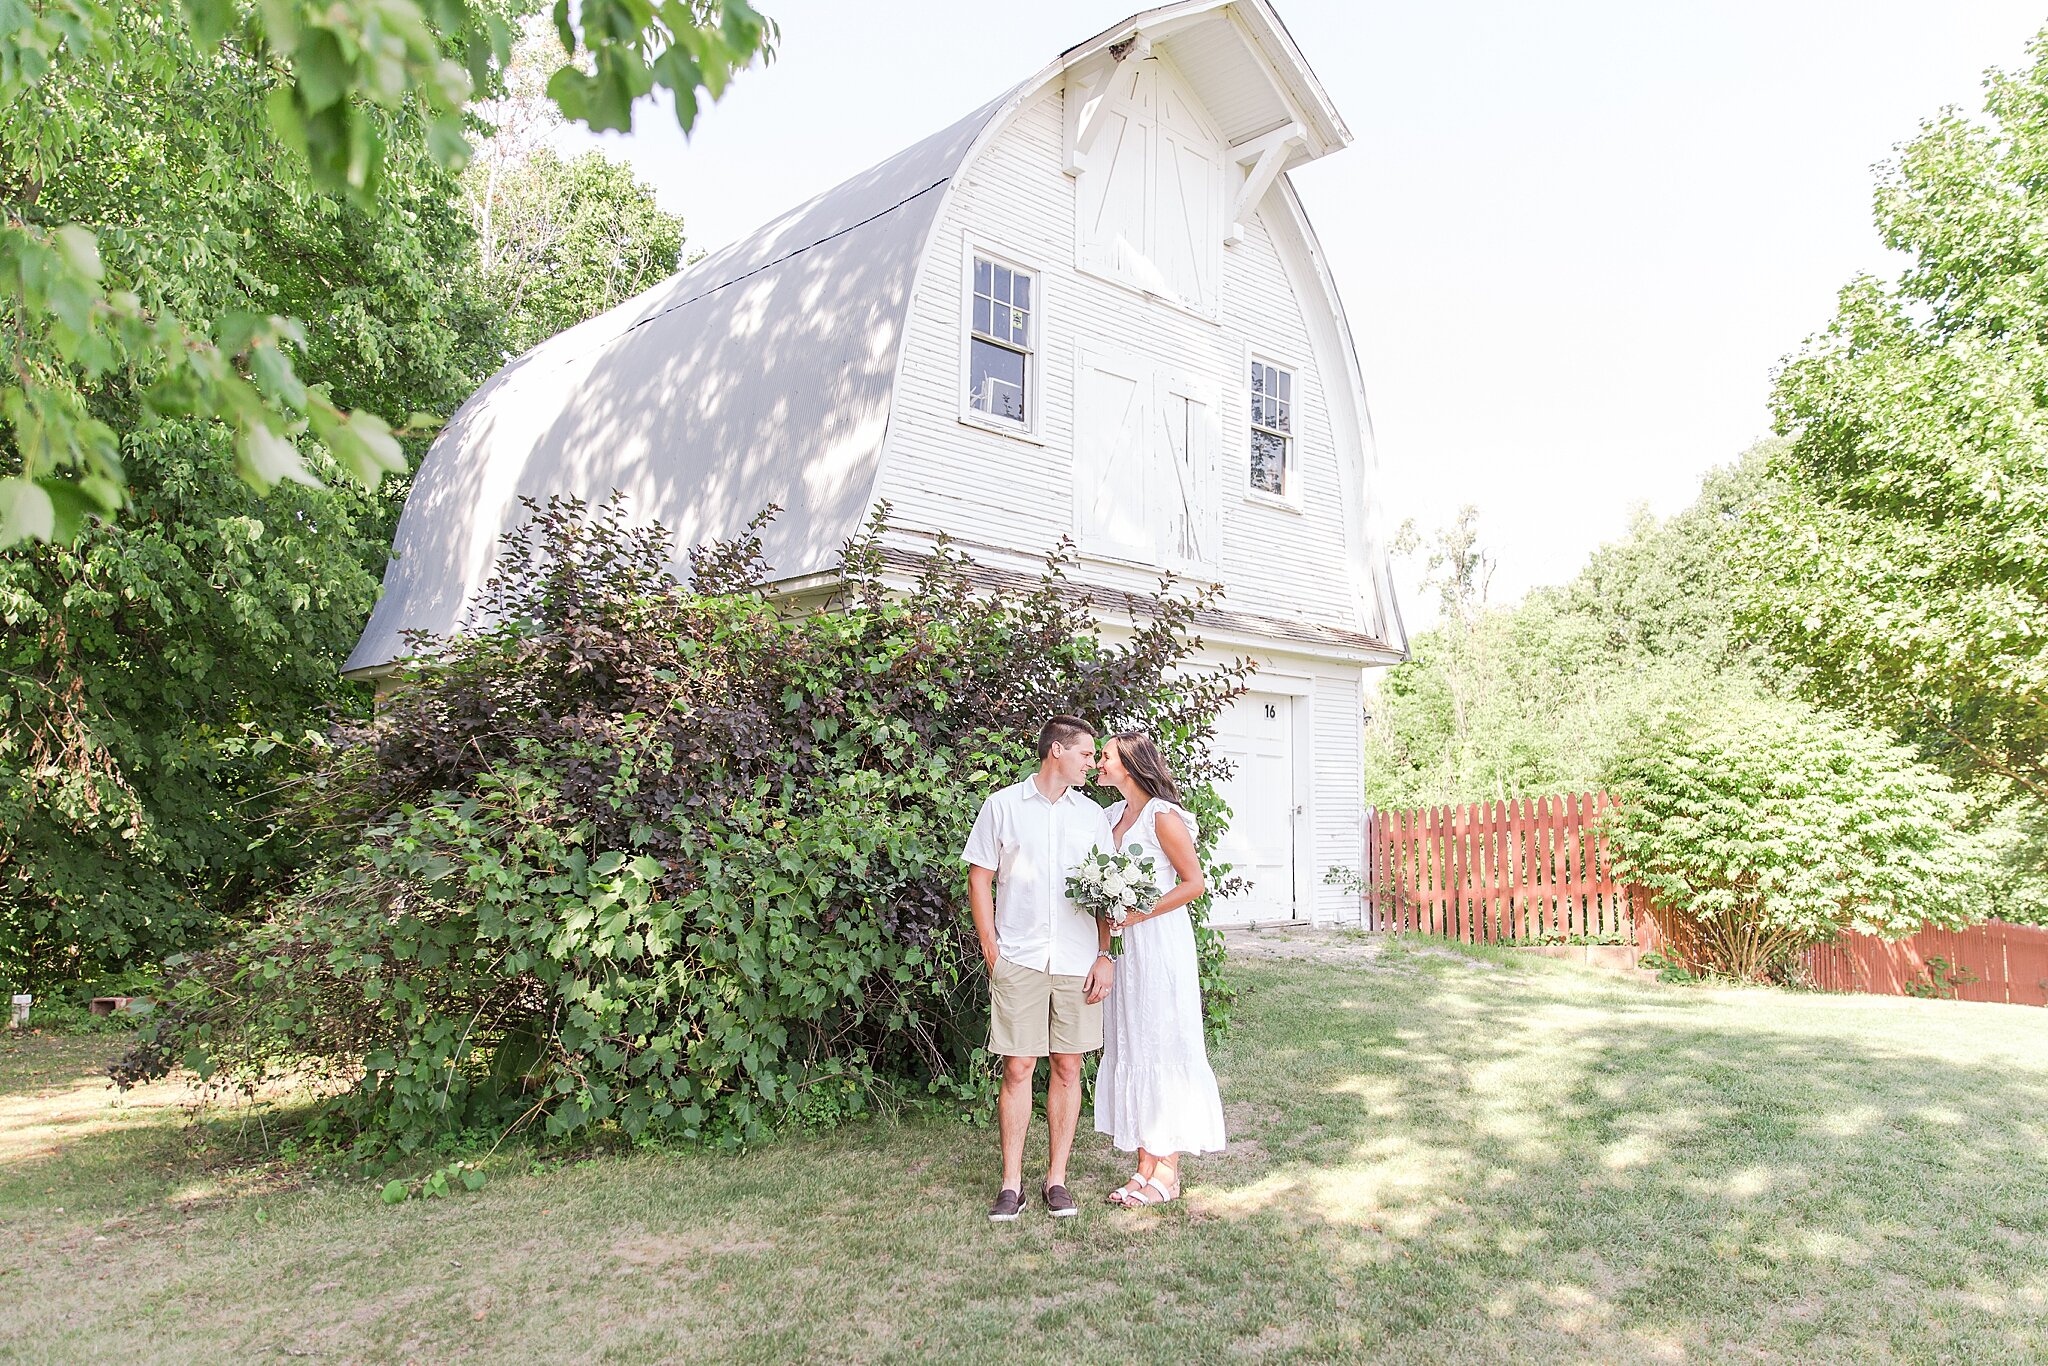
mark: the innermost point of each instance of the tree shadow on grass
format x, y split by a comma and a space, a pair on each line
1430, 1161
1550, 1164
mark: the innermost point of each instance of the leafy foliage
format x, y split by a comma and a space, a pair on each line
332, 96
554, 235
1902, 555
1509, 701
1763, 827
672, 858
560, 234
158, 676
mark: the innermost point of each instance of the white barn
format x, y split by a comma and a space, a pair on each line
1093, 307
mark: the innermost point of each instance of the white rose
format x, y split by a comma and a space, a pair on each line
1127, 899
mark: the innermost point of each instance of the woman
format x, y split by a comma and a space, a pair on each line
1154, 1092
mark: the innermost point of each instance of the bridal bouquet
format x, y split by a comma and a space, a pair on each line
1109, 886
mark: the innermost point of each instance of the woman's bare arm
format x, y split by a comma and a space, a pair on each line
1179, 847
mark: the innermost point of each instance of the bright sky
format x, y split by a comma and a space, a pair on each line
1573, 237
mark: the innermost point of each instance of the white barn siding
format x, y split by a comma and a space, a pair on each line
940, 474
1338, 811
1276, 560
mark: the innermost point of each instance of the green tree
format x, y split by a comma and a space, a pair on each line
1901, 557
156, 673
1763, 826
148, 669
1536, 697
557, 239
341, 90
1667, 589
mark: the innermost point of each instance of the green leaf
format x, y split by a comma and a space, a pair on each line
268, 458
210, 20
26, 511
81, 251
70, 506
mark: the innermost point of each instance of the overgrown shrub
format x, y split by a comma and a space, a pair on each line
629, 852
1763, 827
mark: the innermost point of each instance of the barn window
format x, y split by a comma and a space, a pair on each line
1272, 453
1000, 341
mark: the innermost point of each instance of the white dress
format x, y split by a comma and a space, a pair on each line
1154, 1089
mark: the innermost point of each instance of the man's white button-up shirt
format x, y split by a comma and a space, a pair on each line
1031, 844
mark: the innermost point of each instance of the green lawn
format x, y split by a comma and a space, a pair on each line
1436, 1157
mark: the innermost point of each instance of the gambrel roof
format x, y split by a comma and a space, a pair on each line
765, 372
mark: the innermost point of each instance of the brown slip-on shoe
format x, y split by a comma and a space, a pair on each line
1008, 1205
1059, 1202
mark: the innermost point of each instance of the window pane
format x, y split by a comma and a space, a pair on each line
1021, 292
995, 380
1286, 390
1278, 417
1269, 462
1003, 284
981, 318
982, 271
1258, 382
1018, 323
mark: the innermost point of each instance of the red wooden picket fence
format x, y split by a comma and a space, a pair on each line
1992, 961
1496, 870
1536, 868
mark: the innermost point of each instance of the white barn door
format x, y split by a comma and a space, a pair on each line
1145, 452
1114, 195
1187, 513
1187, 216
1113, 492
1149, 202
1257, 735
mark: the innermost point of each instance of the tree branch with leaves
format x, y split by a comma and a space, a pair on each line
336, 73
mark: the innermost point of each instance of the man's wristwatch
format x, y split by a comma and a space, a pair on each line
1105, 953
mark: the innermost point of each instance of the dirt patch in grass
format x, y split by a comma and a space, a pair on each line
1350, 948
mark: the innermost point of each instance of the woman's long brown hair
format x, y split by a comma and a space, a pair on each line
1141, 760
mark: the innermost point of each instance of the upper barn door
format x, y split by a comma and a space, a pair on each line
1186, 511
1149, 200
1187, 197
1114, 192
1113, 469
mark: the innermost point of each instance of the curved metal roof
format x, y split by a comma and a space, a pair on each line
761, 374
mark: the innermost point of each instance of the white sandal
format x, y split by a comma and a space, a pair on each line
1124, 1194
1141, 1197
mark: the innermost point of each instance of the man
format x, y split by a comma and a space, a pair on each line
1048, 961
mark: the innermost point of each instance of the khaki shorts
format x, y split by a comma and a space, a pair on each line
1033, 1013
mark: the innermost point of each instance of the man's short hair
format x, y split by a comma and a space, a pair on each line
1061, 730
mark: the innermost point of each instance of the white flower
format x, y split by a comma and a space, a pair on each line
1127, 898
1114, 883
